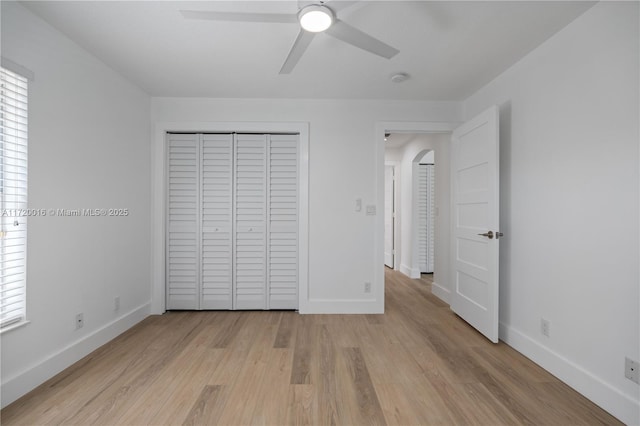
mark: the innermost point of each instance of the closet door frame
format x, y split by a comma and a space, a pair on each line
159, 176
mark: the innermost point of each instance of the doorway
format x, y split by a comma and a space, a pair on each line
474, 177
405, 146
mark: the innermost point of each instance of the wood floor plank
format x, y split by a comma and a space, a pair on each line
301, 370
270, 404
368, 404
235, 321
416, 364
482, 407
300, 403
397, 406
245, 393
150, 401
208, 407
328, 409
286, 330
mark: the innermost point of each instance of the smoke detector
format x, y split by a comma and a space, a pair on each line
400, 77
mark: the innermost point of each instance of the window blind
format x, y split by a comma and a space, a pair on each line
13, 197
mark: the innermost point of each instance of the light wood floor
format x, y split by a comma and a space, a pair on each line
418, 364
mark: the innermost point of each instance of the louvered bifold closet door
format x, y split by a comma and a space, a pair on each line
283, 222
431, 216
250, 254
217, 211
183, 201
425, 217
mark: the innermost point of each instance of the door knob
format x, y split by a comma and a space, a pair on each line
488, 234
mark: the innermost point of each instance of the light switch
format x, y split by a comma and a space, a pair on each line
371, 210
358, 204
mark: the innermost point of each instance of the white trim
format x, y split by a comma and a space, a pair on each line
441, 292
18, 385
18, 69
413, 273
344, 306
14, 326
622, 406
396, 216
158, 193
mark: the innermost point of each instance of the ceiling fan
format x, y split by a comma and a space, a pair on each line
313, 18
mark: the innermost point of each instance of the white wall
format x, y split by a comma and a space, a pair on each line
569, 203
343, 166
406, 156
88, 148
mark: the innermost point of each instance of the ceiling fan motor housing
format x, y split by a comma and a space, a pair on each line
316, 18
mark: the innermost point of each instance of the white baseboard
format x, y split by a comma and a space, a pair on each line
19, 385
618, 404
410, 272
351, 306
441, 292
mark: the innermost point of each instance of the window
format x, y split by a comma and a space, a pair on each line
13, 197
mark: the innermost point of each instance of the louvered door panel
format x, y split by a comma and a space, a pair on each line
182, 239
217, 210
425, 217
431, 216
250, 181
283, 222
422, 218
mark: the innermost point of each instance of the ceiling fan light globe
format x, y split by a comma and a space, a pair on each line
315, 18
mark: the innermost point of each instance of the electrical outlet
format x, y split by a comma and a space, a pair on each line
116, 303
632, 370
545, 327
367, 287
79, 321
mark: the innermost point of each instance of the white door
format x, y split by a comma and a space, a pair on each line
250, 195
216, 221
283, 222
425, 208
475, 199
232, 221
389, 213
183, 205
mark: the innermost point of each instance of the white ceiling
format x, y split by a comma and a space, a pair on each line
450, 49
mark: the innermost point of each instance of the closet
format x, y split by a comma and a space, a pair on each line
232, 221
426, 213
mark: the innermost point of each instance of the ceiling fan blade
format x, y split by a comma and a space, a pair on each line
345, 32
303, 3
297, 50
279, 18
338, 5
335, 5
